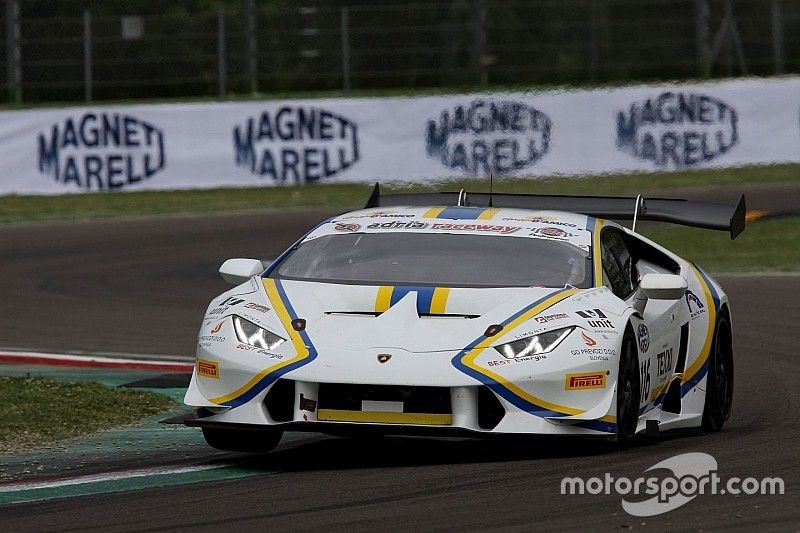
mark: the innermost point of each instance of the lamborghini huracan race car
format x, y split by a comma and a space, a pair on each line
470, 314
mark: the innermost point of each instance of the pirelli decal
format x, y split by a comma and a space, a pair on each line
585, 380
208, 369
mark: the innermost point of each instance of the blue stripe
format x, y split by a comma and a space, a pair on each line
424, 297
461, 213
511, 397
701, 373
272, 377
502, 391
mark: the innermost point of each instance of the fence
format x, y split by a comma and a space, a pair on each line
71, 50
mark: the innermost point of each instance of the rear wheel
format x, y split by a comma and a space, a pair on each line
237, 440
719, 384
628, 389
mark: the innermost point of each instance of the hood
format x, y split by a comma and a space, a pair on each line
415, 319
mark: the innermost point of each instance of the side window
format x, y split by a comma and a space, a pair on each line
617, 263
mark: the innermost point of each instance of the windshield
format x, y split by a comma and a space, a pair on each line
437, 259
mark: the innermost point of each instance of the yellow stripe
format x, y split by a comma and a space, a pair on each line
384, 417
301, 352
383, 300
488, 214
473, 354
712, 321
433, 212
598, 262
439, 300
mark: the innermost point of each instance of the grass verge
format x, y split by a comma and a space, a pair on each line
765, 246
345, 196
40, 411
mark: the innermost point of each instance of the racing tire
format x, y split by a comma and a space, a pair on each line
628, 390
719, 384
247, 441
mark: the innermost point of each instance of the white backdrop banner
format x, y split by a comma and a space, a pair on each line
240, 144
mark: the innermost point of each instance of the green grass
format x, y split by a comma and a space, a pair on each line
765, 246
346, 196
40, 411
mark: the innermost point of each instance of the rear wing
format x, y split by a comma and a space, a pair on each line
723, 217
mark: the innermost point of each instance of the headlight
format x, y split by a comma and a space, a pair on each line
534, 345
249, 333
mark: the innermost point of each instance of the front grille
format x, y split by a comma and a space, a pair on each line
385, 404
415, 399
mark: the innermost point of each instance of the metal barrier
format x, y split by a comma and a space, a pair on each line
63, 50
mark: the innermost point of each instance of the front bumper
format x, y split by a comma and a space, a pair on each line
472, 411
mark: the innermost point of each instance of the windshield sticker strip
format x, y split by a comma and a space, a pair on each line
461, 213
465, 362
433, 212
304, 351
488, 214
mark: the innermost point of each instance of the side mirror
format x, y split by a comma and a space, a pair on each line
236, 271
663, 286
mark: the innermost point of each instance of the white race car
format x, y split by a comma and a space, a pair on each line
470, 314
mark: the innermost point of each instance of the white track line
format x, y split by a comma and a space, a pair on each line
107, 476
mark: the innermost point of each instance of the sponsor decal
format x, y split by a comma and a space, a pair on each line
217, 310
553, 221
381, 215
218, 327
588, 340
552, 233
585, 380
230, 300
248, 347
595, 318
444, 226
693, 300
595, 354
643, 334
101, 151
345, 226
677, 129
271, 355
208, 369
526, 359
307, 404
296, 144
205, 339
257, 307
644, 380
591, 313
488, 136
664, 361
550, 318
384, 357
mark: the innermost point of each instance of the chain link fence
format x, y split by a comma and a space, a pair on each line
73, 50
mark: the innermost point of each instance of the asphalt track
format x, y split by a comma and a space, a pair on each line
141, 285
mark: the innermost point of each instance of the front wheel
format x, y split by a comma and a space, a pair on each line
628, 390
237, 440
719, 384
